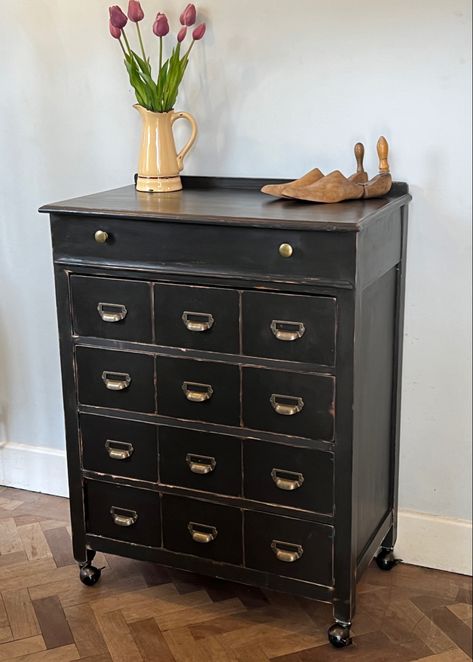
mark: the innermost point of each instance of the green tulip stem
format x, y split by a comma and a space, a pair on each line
122, 46
141, 41
127, 44
160, 54
189, 49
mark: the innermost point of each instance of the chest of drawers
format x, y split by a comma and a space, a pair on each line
231, 375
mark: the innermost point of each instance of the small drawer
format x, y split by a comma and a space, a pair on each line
289, 403
203, 318
111, 308
289, 547
119, 380
119, 448
289, 327
123, 513
202, 529
289, 476
198, 390
200, 460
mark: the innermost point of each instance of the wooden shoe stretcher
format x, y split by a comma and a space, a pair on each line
335, 187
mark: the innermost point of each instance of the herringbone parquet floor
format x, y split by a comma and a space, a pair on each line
140, 611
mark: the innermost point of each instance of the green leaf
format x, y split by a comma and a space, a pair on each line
142, 93
159, 96
161, 84
142, 82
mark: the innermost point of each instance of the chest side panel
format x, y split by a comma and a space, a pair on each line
373, 404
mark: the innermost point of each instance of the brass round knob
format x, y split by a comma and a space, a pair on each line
101, 236
286, 250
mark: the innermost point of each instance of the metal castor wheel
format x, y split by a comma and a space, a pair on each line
386, 561
89, 575
339, 635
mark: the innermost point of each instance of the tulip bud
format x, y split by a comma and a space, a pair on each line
135, 11
189, 15
182, 34
115, 32
161, 25
117, 18
199, 32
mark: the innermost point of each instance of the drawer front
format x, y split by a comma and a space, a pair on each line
119, 380
195, 248
202, 529
123, 513
200, 460
289, 547
289, 476
111, 308
289, 403
289, 327
199, 390
203, 318
119, 448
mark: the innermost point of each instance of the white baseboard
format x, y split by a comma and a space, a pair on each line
425, 540
34, 468
435, 542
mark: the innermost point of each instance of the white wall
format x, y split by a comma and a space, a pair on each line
277, 89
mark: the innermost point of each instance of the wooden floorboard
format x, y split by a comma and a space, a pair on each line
141, 612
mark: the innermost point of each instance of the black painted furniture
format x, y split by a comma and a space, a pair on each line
231, 372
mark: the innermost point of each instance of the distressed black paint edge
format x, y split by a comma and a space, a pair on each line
373, 545
213, 497
189, 563
391, 537
204, 356
73, 445
204, 426
397, 197
247, 282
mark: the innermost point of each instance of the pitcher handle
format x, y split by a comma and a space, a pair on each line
191, 141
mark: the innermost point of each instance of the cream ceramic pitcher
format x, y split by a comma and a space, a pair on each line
160, 164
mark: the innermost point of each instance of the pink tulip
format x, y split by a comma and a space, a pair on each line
189, 15
135, 11
182, 34
117, 18
161, 25
199, 32
115, 32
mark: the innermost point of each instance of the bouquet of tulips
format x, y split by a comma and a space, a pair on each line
156, 94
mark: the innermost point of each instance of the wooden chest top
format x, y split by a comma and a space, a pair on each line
228, 201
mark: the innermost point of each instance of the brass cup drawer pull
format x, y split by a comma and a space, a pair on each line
286, 405
202, 533
122, 517
198, 322
197, 392
119, 450
287, 480
286, 551
287, 331
201, 464
112, 312
116, 381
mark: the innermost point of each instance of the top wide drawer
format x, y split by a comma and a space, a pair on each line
316, 257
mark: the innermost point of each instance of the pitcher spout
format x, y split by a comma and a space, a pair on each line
142, 111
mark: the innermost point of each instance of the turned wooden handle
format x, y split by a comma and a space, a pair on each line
360, 156
383, 152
